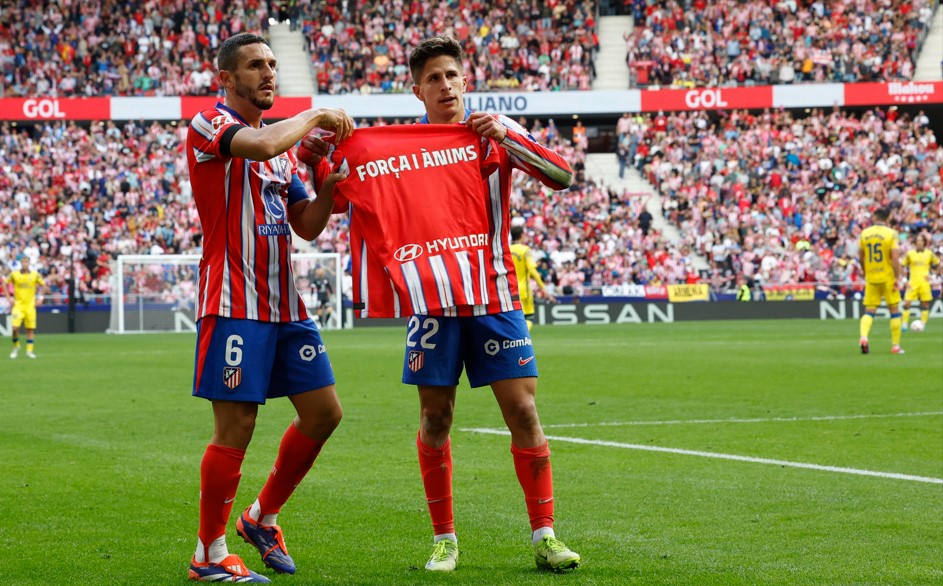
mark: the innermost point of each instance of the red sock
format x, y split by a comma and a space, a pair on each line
219, 479
296, 455
534, 473
436, 468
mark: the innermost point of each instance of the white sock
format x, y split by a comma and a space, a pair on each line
539, 534
255, 513
215, 553
442, 536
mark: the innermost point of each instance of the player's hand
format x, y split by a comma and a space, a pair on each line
339, 167
486, 125
337, 120
336, 177
312, 149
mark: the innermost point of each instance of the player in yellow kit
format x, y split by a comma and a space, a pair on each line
526, 269
25, 282
880, 259
920, 260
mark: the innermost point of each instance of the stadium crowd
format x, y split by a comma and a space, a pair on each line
529, 46
691, 43
108, 48
116, 190
782, 198
772, 197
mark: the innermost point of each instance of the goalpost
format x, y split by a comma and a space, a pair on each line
158, 293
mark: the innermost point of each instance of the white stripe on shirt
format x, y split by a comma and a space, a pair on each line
468, 285
248, 245
414, 285
442, 281
497, 244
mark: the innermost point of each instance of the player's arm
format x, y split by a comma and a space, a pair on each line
313, 151
526, 153
262, 144
861, 261
532, 270
895, 265
309, 217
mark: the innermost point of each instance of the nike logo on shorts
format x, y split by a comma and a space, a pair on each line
523, 362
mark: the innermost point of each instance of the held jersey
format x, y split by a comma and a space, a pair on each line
24, 288
920, 263
420, 220
876, 245
525, 267
519, 150
245, 271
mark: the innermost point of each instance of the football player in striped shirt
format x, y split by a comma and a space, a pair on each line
489, 340
255, 340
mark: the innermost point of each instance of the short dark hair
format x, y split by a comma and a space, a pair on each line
882, 214
430, 48
229, 50
517, 232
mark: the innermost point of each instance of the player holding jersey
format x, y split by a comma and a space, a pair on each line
255, 340
526, 269
919, 260
490, 342
879, 256
25, 283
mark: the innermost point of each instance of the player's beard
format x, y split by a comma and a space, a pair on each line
248, 93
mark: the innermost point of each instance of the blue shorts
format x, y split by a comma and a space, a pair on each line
251, 361
490, 347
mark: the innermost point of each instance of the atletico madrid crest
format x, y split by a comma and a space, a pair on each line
415, 360
232, 376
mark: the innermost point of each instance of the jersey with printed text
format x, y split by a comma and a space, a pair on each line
920, 263
421, 219
245, 271
24, 288
876, 244
479, 278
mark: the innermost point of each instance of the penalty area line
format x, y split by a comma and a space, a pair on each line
720, 456
745, 420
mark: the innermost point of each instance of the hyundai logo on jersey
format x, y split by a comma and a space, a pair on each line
408, 252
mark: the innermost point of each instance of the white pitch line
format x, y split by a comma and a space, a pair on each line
784, 463
742, 420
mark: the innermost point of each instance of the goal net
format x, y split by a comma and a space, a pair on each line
157, 293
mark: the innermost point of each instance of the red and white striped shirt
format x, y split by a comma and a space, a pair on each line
245, 272
436, 239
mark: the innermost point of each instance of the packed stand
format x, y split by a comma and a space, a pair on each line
363, 47
108, 48
114, 191
781, 198
688, 43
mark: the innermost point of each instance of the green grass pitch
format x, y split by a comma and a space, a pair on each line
100, 444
